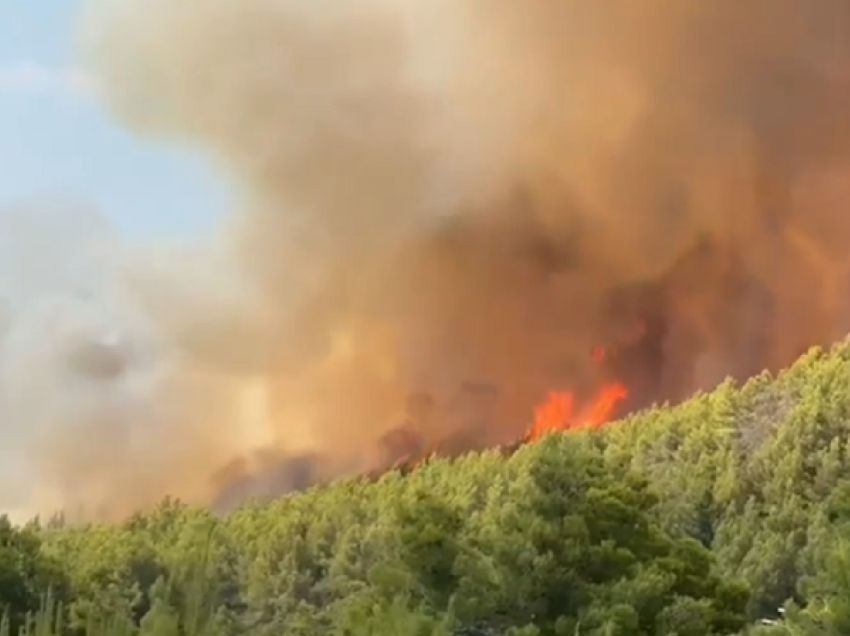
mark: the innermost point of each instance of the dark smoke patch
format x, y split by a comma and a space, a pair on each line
267, 475
97, 360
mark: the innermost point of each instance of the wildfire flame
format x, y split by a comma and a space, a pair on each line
558, 412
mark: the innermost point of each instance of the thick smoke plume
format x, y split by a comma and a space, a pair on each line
439, 192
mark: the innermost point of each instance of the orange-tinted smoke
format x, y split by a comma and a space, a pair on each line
436, 191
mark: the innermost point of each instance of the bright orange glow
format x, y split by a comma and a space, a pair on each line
558, 413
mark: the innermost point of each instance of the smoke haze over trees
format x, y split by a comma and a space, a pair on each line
701, 519
431, 194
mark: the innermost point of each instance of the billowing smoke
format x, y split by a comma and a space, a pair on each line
438, 194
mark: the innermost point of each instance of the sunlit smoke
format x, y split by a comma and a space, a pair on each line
432, 193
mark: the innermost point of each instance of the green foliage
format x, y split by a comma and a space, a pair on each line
689, 521
27, 576
748, 470
552, 540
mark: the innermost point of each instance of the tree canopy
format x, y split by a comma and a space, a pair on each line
701, 519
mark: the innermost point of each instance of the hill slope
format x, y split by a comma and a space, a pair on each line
697, 519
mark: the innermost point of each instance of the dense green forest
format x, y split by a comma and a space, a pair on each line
729, 514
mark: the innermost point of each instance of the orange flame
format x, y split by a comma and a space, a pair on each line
557, 411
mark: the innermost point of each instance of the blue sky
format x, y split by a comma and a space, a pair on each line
55, 142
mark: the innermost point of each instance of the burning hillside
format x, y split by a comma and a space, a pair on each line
456, 200
631, 372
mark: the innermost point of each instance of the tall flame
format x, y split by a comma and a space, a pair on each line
558, 411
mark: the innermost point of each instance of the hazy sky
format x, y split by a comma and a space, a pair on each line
56, 142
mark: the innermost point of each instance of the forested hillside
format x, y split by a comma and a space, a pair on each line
705, 518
